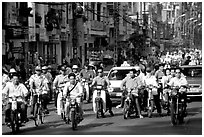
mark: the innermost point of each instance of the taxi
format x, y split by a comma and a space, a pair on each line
115, 76
193, 74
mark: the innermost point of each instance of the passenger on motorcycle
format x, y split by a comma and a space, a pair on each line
49, 78
165, 80
105, 83
131, 82
159, 74
15, 89
75, 70
151, 81
58, 83
88, 76
39, 85
74, 90
181, 82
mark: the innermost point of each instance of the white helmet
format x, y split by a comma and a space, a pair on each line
75, 67
12, 70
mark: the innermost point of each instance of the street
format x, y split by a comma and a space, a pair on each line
116, 125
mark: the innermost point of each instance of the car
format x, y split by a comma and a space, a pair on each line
115, 76
193, 75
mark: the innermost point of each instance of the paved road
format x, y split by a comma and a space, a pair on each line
117, 125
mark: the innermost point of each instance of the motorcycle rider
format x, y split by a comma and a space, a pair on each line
180, 81
132, 82
39, 84
150, 80
59, 81
15, 88
73, 89
105, 83
88, 76
49, 78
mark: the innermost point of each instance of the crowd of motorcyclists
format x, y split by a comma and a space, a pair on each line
69, 84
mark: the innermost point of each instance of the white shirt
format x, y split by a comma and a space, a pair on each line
178, 82
150, 80
11, 90
77, 91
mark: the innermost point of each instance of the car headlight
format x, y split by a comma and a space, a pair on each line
110, 89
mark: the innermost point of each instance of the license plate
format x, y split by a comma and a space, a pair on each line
194, 90
118, 94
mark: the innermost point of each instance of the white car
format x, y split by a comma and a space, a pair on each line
115, 76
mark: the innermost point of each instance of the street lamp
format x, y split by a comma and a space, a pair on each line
193, 37
184, 24
176, 26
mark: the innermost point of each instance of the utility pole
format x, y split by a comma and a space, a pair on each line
116, 30
158, 22
74, 30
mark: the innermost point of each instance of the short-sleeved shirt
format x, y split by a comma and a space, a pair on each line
159, 74
77, 91
60, 79
11, 90
132, 83
178, 82
49, 77
101, 81
39, 82
150, 80
86, 74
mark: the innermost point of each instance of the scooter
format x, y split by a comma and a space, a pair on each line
177, 105
74, 116
128, 108
86, 88
99, 102
15, 114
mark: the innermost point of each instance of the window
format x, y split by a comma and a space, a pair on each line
98, 11
93, 10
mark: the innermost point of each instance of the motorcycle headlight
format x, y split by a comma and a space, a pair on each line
174, 92
110, 89
99, 87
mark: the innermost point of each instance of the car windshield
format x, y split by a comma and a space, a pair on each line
192, 72
118, 74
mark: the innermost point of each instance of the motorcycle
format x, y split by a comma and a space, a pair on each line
85, 85
150, 100
74, 116
99, 101
61, 108
177, 105
128, 108
40, 111
15, 114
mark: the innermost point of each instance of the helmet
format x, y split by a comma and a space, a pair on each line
44, 68
75, 67
38, 68
49, 67
63, 68
12, 70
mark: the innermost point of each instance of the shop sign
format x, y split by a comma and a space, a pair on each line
96, 25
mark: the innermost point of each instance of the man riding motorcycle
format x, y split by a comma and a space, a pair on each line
74, 90
15, 89
59, 81
151, 82
49, 78
180, 81
39, 85
105, 83
131, 82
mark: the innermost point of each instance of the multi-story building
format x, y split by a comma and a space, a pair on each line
54, 31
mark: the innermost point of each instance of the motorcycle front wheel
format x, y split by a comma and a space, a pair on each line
14, 122
126, 111
174, 117
74, 123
